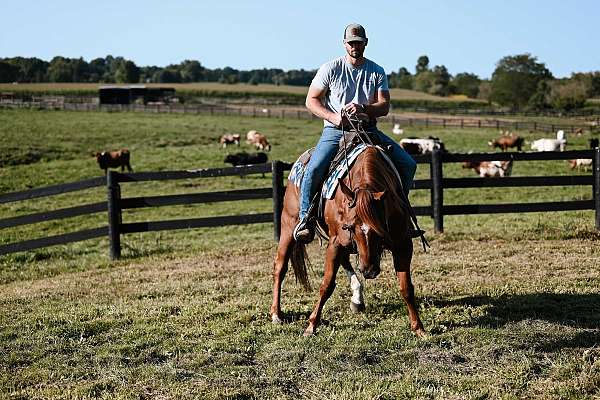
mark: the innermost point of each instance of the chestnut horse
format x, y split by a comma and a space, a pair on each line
366, 213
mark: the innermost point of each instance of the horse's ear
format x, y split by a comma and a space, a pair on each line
346, 190
378, 195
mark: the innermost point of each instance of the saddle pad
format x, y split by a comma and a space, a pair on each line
297, 171
332, 180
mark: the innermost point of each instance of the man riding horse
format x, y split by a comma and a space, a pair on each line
348, 87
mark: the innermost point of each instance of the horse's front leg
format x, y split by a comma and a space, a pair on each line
332, 263
402, 258
357, 302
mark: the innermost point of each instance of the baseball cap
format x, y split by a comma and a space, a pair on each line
355, 33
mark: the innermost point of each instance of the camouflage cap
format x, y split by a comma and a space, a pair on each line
355, 33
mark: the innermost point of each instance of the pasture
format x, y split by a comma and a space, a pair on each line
510, 301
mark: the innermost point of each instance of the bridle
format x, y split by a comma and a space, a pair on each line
363, 135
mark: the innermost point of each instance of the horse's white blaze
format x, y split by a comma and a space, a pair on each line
356, 287
365, 228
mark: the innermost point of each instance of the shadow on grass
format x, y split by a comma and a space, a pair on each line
575, 310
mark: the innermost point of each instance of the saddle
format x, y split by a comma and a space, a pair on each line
350, 146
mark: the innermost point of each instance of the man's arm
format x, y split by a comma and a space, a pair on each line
313, 103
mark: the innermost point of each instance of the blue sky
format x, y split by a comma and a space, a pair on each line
465, 36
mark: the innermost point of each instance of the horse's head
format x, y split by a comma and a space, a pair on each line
362, 224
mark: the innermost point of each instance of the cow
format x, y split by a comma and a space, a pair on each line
490, 169
506, 141
584, 163
545, 144
244, 158
230, 139
422, 146
259, 140
114, 159
397, 130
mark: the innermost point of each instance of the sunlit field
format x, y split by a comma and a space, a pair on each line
509, 300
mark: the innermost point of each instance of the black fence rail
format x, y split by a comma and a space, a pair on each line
115, 204
267, 112
438, 183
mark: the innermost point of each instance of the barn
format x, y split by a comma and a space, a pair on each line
111, 94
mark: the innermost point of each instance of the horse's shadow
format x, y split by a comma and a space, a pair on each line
580, 311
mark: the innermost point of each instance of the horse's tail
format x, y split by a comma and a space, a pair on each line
299, 259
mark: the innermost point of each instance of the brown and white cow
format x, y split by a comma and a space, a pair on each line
258, 140
230, 139
490, 169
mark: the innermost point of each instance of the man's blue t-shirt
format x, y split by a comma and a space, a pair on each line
346, 84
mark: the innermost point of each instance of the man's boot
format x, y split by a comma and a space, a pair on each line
304, 232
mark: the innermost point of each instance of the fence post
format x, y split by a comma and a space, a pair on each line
114, 214
597, 185
437, 191
278, 192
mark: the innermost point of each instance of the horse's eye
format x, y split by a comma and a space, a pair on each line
347, 227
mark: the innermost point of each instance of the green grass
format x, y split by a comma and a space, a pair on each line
510, 300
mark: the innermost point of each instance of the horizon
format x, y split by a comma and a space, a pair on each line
248, 35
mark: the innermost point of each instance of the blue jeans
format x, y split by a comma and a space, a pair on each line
317, 167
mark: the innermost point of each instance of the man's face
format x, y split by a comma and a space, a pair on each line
355, 49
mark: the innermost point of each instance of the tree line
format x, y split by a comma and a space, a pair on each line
520, 82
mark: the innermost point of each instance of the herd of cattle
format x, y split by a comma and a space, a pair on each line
412, 145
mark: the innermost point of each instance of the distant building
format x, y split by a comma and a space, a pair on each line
110, 94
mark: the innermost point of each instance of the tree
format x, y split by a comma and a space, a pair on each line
166, 75
127, 72
8, 72
59, 70
485, 91
423, 81
441, 80
401, 79
539, 100
516, 79
191, 71
466, 83
568, 96
422, 65
30, 69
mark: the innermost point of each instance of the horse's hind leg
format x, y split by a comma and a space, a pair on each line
280, 267
402, 259
357, 302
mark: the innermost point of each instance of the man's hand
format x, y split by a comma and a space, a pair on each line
353, 108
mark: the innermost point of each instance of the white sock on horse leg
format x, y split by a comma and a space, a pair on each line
355, 285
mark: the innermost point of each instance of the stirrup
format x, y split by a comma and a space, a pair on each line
304, 232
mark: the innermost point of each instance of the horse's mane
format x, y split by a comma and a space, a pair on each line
374, 174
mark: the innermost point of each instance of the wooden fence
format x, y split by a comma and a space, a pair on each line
463, 122
114, 204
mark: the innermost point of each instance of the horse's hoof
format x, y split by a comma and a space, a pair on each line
357, 308
310, 331
276, 320
421, 334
